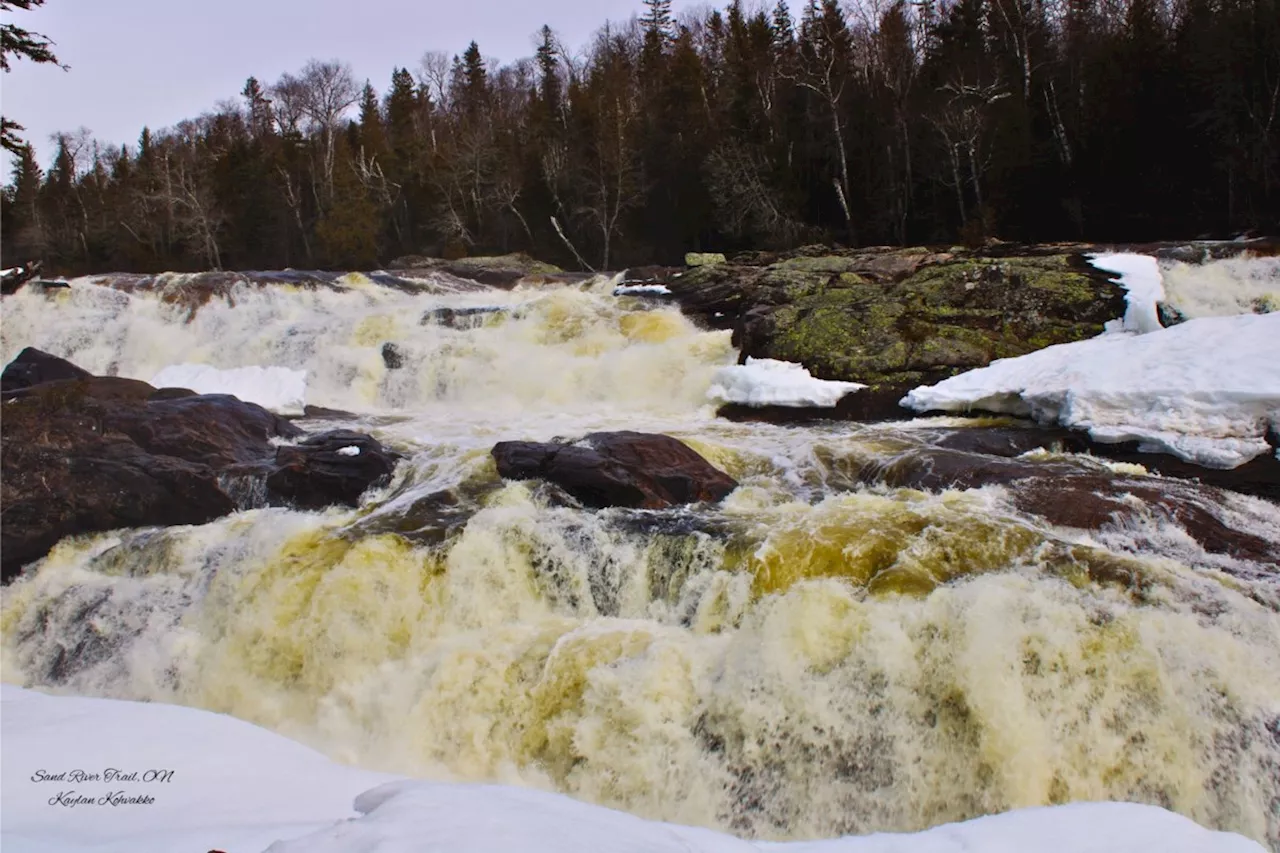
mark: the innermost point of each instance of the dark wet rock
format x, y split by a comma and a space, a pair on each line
86, 455
629, 469
1071, 493
321, 470
70, 466
500, 271
35, 367
192, 291
1259, 477
897, 318
171, 393
14, 278
321, 413
214, 429
460, 318
649, 275
936, 468
1011, 441
869, 404
392, 356
1096, 502
432, 518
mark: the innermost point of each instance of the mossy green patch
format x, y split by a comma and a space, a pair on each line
947, 317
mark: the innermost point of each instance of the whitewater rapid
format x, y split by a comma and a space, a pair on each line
816, 656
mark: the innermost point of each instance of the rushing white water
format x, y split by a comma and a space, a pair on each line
814, 657
1223, 287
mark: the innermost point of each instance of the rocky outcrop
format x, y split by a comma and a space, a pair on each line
1260, 477
1072, 493
897, 318
82, 454
33, 367
502, 271
329, 469
627, 469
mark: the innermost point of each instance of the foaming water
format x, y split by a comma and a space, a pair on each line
1220, 288
814, 656
744, 678
492, 350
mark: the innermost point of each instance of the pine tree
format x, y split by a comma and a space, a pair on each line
24, 237
658, 36
373, 140
549, 88
474, 97
257, 107
24, 44
347, 233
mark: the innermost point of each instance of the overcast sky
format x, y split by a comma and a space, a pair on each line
137, 63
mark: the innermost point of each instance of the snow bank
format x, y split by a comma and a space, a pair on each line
421, 817
235, 787
279, 389
1204, 390
1140, 276
768, 382
626, 289
218, 783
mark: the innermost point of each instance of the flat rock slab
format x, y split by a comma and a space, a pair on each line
1069, 493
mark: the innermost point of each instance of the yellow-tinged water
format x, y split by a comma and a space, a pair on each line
815, 656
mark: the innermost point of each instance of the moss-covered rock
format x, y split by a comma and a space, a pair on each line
703, 259
897, 318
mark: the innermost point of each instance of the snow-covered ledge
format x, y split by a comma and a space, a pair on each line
1206, 390
769, 382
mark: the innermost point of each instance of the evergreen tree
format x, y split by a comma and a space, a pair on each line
258, 107
474, 95
1088, 119
24, 237
549, 88
23, 44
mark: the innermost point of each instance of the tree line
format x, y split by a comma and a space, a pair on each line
872, 122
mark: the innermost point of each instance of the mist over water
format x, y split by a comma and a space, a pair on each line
815, 656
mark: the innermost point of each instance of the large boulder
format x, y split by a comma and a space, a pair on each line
893, 319
33, 367
627, 469
331, 468
87, 454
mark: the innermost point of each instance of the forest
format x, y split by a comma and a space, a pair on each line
857, 123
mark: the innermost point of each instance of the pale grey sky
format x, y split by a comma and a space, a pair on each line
155, 62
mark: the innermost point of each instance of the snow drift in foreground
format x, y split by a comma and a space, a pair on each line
1140, 276
214, 782
279, 389
1205, 390
769, 382
235, 787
